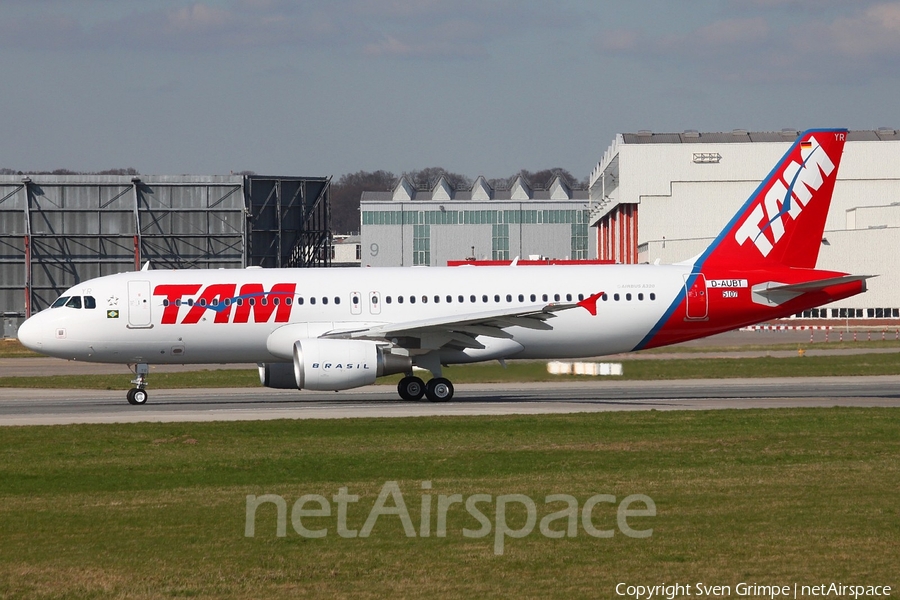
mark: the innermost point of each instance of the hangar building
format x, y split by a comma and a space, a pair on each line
662, 196
413, 227
58, 230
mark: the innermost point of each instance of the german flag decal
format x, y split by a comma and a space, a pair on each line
112, 314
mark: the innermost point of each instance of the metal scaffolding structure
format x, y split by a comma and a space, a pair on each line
59, 230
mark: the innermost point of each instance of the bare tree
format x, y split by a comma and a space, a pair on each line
545, 177
427, 178
346, 193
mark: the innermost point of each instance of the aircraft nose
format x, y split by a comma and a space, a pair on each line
30, 334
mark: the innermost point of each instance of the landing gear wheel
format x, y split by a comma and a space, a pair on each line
439, 389
411, 388
137, 396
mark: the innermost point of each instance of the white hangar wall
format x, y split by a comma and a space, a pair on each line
686, 187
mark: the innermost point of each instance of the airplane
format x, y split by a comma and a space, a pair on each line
337, 329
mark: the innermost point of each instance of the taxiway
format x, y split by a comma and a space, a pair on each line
41, 406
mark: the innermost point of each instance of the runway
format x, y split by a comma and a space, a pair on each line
44, 407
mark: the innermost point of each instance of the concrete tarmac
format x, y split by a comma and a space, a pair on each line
41, 407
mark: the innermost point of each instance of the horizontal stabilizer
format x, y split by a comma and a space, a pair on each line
773, 293
819, 284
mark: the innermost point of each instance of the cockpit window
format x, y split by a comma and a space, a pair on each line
61, 301
74, 302
89, 302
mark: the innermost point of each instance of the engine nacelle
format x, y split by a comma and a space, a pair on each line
324, 365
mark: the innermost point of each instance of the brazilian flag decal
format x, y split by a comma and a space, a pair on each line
112, 314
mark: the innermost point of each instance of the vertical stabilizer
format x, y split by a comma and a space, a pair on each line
783, 220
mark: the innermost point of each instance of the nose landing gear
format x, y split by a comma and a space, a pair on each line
138, 395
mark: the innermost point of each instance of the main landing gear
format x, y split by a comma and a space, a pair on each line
138, 395
412, 388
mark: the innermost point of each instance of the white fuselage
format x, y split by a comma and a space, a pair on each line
135, 320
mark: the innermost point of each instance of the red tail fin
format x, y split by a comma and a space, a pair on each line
783, 220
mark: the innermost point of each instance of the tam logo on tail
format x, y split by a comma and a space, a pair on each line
786, 197
784, 218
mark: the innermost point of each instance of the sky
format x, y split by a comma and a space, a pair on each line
478, 87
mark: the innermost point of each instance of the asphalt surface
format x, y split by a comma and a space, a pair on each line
30, 406
35, 407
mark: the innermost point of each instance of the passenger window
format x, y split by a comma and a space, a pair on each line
616, 297
437, 299
568, 297
496, 297
299, 300
89, 302
387, 299
74, 302
61, 301
533, 298
521, 297
604, 297
652, 296
628, 297
203, 302
450, 298
264, 301
215, 302
412, 299
508, 298
471, 298
544, 297
424, 299
337, 300
461, 298
484, 298
580, 297
556, 297
640, 296
240, 302
324, 299
312, 300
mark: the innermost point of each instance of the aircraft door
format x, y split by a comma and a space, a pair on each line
139, 304
697, 299
355, 303
375, 303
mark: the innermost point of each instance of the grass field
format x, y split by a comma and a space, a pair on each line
517, 371
159, 510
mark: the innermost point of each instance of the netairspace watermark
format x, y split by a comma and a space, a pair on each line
671, 591
391, 503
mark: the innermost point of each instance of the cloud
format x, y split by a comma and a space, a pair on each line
371, 28
860, 45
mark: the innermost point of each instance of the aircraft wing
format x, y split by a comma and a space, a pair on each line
460, 331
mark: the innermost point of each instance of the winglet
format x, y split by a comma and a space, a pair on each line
590, 303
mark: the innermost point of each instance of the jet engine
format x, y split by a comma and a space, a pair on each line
326, 364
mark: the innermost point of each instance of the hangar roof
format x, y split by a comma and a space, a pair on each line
742, 135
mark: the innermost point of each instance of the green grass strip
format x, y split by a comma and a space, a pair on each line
159, 510
695, 368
